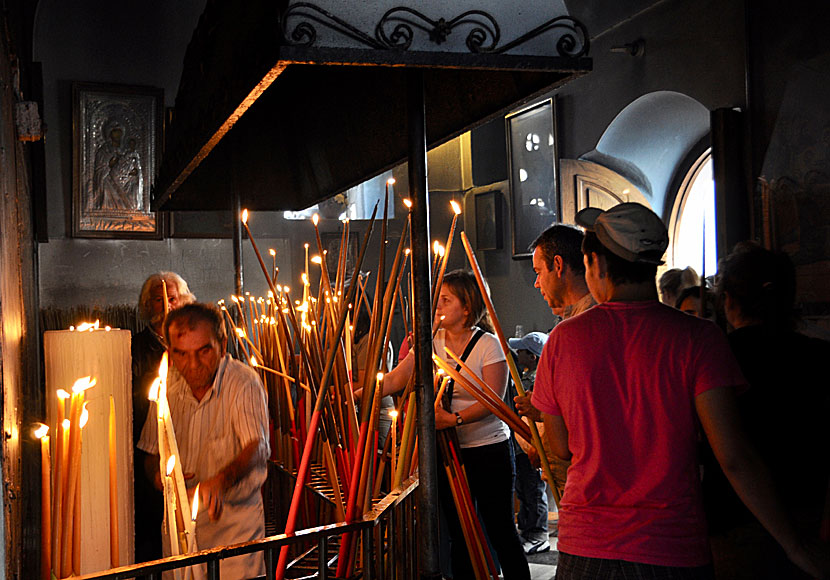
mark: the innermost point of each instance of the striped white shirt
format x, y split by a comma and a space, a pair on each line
210, 433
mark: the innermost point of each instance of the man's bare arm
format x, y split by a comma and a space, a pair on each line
213, 490
557, 434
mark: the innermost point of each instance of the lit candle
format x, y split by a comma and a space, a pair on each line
73, 463
394, 414
194, 509
76, 526
45, 502
59, 478
445, 254
114, 547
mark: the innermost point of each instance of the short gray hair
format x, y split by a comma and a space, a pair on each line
185, 295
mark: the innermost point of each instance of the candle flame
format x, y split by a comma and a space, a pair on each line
84, 416
88, 326
394, 414
407, 251
441, 250
239, 332
234, 298
273, 252
171, 463
154, 389
316, 259
314, 219
62, 394
194, 509
66, 424
244, 216
41, 430
435, 245
380, 376
455, 207
83, 384
163, 367
407, 202
254, 362
305, 245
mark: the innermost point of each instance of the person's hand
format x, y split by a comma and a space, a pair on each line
533, 457
444, 419
526, 408
212, 495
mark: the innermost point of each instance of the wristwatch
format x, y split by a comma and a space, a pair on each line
458, 419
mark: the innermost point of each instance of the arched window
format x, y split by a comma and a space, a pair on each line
692, 227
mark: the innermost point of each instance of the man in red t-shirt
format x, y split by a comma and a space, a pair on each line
622, 388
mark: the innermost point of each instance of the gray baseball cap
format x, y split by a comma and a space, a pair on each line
629, 230
532, 341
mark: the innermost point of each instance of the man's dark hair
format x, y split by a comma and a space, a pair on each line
760, 282
561, 240
192, 314
620, 270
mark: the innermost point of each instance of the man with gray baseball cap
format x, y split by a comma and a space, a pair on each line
623, 388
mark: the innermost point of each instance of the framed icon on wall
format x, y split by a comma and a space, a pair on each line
116, 139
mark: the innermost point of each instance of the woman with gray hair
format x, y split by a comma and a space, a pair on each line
147, 349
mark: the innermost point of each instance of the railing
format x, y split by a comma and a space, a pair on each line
389, 546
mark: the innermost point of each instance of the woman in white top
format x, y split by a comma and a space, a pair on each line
484, 438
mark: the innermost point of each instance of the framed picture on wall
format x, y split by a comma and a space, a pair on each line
532, 149
488, 220
116, 138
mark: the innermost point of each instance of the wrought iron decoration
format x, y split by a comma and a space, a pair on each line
398, 26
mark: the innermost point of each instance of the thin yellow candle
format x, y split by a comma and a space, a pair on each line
166, 299
45, 502
394, 449
305, 290
445, 254
406, 438
76, 525
73, 469
441, 389
114, 546
194, 513
59, 477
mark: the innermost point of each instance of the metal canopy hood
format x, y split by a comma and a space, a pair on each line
292, 120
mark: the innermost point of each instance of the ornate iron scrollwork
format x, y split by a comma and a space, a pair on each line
484, 27
397, 28
304, 33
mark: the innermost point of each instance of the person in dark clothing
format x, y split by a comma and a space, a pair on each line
784, 412
148, 346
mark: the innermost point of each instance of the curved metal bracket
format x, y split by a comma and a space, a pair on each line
398, 26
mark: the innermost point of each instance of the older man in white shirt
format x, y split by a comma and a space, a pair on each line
219, 413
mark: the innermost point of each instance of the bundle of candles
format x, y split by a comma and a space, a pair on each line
179, 515
303, 350
61, 484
